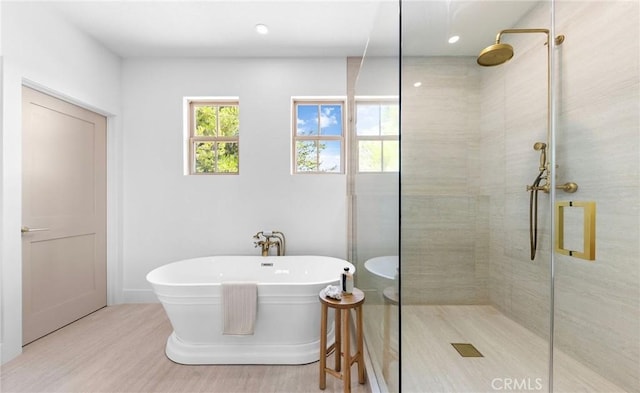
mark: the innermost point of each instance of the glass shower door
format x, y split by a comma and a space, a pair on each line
597, 297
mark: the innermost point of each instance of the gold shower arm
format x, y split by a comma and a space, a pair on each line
559, 39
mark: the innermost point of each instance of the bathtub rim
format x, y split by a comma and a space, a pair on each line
155, 282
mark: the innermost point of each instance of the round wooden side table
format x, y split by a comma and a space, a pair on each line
342, 348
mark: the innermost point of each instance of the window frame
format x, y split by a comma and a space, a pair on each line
319, 101
191, 104
380, 101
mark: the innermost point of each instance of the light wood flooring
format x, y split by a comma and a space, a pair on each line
121, 349
511, 353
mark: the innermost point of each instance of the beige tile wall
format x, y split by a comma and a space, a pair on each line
598, 303
444, 221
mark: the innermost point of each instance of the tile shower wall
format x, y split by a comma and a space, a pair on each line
444, 220
598, 303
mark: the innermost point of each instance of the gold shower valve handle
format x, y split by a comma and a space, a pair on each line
569, 187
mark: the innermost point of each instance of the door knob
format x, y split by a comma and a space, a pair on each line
26, 229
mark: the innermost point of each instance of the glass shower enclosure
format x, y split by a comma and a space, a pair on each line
480, 144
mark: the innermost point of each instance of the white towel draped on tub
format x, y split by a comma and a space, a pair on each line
239, 305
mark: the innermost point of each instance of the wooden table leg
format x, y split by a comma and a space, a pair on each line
338, 333
346, 371
360, 345
323, 347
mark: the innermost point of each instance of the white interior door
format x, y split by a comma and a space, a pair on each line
63, 213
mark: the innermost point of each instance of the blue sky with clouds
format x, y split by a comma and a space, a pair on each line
326, 119
313, 120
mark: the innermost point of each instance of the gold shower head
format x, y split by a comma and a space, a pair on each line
499, 53
495, 54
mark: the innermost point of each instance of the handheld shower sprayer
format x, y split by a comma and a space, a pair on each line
541, 183
533, 199
541, 146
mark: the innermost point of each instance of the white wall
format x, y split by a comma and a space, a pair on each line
43, 51
169, 216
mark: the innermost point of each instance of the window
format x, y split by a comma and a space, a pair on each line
213, 136
377, 135
318, 136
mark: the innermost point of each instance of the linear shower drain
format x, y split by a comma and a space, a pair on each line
467, 350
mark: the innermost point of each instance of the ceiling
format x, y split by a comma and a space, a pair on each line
297, 28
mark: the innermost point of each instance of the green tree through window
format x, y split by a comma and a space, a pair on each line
214, 137
377, 136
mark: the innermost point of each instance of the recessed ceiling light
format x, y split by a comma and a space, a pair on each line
262, 29
417, 84
453, 39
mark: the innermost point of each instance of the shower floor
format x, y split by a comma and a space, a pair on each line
514, 359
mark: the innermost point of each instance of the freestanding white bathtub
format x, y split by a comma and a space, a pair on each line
287, 327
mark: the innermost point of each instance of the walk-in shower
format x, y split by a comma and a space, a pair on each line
474, 131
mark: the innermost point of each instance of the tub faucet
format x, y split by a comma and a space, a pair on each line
267, 239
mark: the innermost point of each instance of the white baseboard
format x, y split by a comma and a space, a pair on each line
139, 296
7, 355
